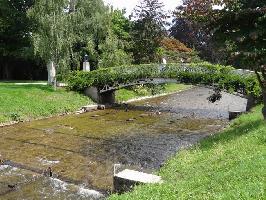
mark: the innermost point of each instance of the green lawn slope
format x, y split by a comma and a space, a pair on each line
229, 165
33, 100
129, 94
22, 102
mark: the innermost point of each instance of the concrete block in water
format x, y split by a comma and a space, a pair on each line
125, 180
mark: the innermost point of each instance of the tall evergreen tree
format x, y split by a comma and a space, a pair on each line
148, 30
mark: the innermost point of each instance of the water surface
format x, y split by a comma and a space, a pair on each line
82, 149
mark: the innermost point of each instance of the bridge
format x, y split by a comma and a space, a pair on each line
106, 94
100, 85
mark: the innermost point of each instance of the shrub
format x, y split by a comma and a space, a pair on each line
14, 116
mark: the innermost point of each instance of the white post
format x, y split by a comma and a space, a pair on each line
86, 66
51, 72
163, 65
164, 62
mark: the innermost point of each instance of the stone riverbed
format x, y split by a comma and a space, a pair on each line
81, 149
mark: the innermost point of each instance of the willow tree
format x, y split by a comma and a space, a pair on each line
53, 36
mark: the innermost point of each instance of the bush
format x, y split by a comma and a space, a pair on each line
14, 116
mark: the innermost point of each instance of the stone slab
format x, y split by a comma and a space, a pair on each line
139, 176
125, 180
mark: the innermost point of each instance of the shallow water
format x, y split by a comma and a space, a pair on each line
82, 149
22, 184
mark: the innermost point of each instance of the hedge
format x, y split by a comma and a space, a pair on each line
200, 73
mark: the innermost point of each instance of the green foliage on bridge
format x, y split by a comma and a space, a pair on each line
205, 73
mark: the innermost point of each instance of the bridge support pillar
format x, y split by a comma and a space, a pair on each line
251, 101
101, 98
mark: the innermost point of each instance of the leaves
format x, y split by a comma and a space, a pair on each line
54, 34
148, 30
14, 28
199, 73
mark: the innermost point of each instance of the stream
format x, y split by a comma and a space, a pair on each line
79, 151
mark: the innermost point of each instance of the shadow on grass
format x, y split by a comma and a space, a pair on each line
235, 131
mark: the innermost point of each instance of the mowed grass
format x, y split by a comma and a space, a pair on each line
127, 94
23, 102
31, 101
229, 165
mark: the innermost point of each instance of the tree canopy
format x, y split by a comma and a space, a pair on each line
237, 26
15, 27
148, 30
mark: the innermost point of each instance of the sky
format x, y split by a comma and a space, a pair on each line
130, 4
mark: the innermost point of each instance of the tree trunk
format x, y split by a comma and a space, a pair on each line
6, 71
264, 102
250, 102
262, 80
51, 73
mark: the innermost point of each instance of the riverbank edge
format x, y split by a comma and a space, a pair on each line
89, 108
231, 139
155, 96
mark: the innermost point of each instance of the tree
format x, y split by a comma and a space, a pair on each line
102, 34
175, 51
14, 32
113, 54
116, 47
148, 30
122, 27
53, 36
66, 30
239, 27
195, 36
93, 29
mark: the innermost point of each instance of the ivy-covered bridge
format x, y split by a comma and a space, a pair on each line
101, 84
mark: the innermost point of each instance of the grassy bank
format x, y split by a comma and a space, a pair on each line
230, 165
22, 102
141, 91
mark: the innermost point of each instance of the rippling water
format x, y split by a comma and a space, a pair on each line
82, 149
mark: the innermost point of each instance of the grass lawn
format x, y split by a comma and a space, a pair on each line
21, 102
21, 81
230, 165
127, 94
